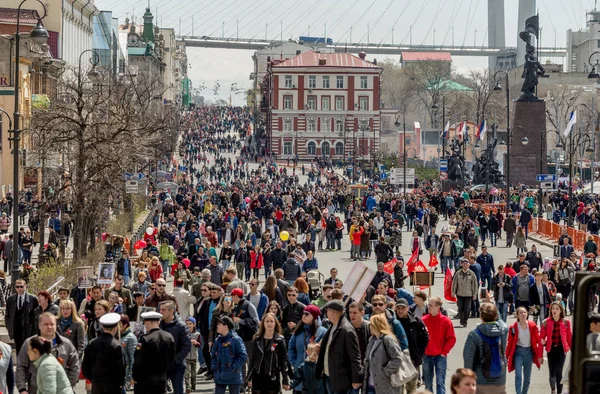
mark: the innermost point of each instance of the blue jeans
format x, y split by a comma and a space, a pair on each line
493, 238
225, 264
176, 376
446, 263
330, 240
437, 363
233, 388
487, 278
329, 390
502, 310
165, 267
523, 365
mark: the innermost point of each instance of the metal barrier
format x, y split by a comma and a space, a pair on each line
552, 231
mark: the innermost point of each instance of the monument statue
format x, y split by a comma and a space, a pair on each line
456, 163
486, 169
532, 68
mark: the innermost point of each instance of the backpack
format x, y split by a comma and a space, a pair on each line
494, 363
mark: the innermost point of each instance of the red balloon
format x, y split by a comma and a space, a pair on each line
141, 244
186, 262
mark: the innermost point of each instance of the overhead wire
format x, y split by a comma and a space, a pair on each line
300, 18
251, 20
360, 18
236, 19
423, 5
395, 22
453, 15
218, 17
435, 16
326, 13
377, 21
335, 24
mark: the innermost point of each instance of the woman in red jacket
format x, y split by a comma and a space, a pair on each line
523, 350
556, 336
256, 261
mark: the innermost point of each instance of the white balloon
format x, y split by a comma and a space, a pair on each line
149, 231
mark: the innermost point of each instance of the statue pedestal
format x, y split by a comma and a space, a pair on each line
525, 159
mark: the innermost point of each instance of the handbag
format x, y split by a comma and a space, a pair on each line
406, 372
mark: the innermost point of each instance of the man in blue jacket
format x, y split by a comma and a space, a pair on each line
183, 344
379, 306
486, 261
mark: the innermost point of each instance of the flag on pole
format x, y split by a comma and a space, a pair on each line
448, 285
433, 261
482, 130
389, 266
445, 132
572, 121
412, 261
461, 127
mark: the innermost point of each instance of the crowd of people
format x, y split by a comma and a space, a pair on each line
241, 245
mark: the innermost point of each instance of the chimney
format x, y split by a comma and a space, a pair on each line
268, 59
375, 61
362, 55
298, 51
322, 62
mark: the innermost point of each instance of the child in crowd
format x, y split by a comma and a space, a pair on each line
192, 357
306, 373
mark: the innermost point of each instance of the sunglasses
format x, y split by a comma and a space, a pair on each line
19, 287
292, 295
378, 304
161, 285
203, 289
227, 299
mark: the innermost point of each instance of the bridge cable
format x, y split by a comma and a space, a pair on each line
236, 18
347, 32
252, 21
372, 28
453, 15
395, 22
414, 22
300, 18
435, 16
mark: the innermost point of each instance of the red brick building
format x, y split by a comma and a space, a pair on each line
322, 104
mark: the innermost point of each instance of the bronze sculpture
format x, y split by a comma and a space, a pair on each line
532, 69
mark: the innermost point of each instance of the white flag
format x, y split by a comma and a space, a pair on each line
572, 121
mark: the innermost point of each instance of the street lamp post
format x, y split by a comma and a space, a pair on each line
594, 75
575, 142
498, 88
39, 35
397, 124
435, 107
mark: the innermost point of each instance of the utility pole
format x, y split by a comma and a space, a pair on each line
223, 29
237, 29
192, 25
368, 35
410, 35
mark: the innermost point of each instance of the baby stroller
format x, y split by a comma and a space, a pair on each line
314, 279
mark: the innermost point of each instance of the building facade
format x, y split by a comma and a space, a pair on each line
322, 104
581, 44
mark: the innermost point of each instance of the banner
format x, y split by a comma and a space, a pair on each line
389, 266
410, 265
433, 260
448, 286
420, 267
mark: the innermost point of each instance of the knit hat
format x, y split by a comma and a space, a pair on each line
237, 292
313, 310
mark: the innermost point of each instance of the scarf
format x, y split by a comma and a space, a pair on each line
66, 322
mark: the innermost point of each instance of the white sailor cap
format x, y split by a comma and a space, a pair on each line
151, 316
110, 320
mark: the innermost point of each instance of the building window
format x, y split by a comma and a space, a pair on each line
326, 125
287, 124
325, 104
325, 82
287, 148
339, 82
288, 102
326, 149
339, 126
312, 81
339, 149
363, 103
312, 148
363, 83
311, 103
407, 141
288, 81
339, 103
312, 125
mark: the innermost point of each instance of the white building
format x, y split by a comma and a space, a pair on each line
581, 44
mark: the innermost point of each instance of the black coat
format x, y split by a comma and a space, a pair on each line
507, 287
104, 365
344, 362
277, 360
417, 336
153, 355
534, 297
27, 325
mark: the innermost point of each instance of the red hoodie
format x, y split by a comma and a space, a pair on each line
441, 335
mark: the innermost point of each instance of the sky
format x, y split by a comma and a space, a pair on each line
378, 21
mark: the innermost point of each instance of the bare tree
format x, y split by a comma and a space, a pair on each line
103, 126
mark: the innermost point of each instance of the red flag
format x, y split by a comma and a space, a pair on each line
448, 286
389, 266
410, 265
433, 261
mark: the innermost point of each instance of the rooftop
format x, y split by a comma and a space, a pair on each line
426, 57
9, 15
317, 59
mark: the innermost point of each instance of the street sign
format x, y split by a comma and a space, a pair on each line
546, 185
397, 176
443, 175
131, 187
546, 178
383, 175
443, 165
